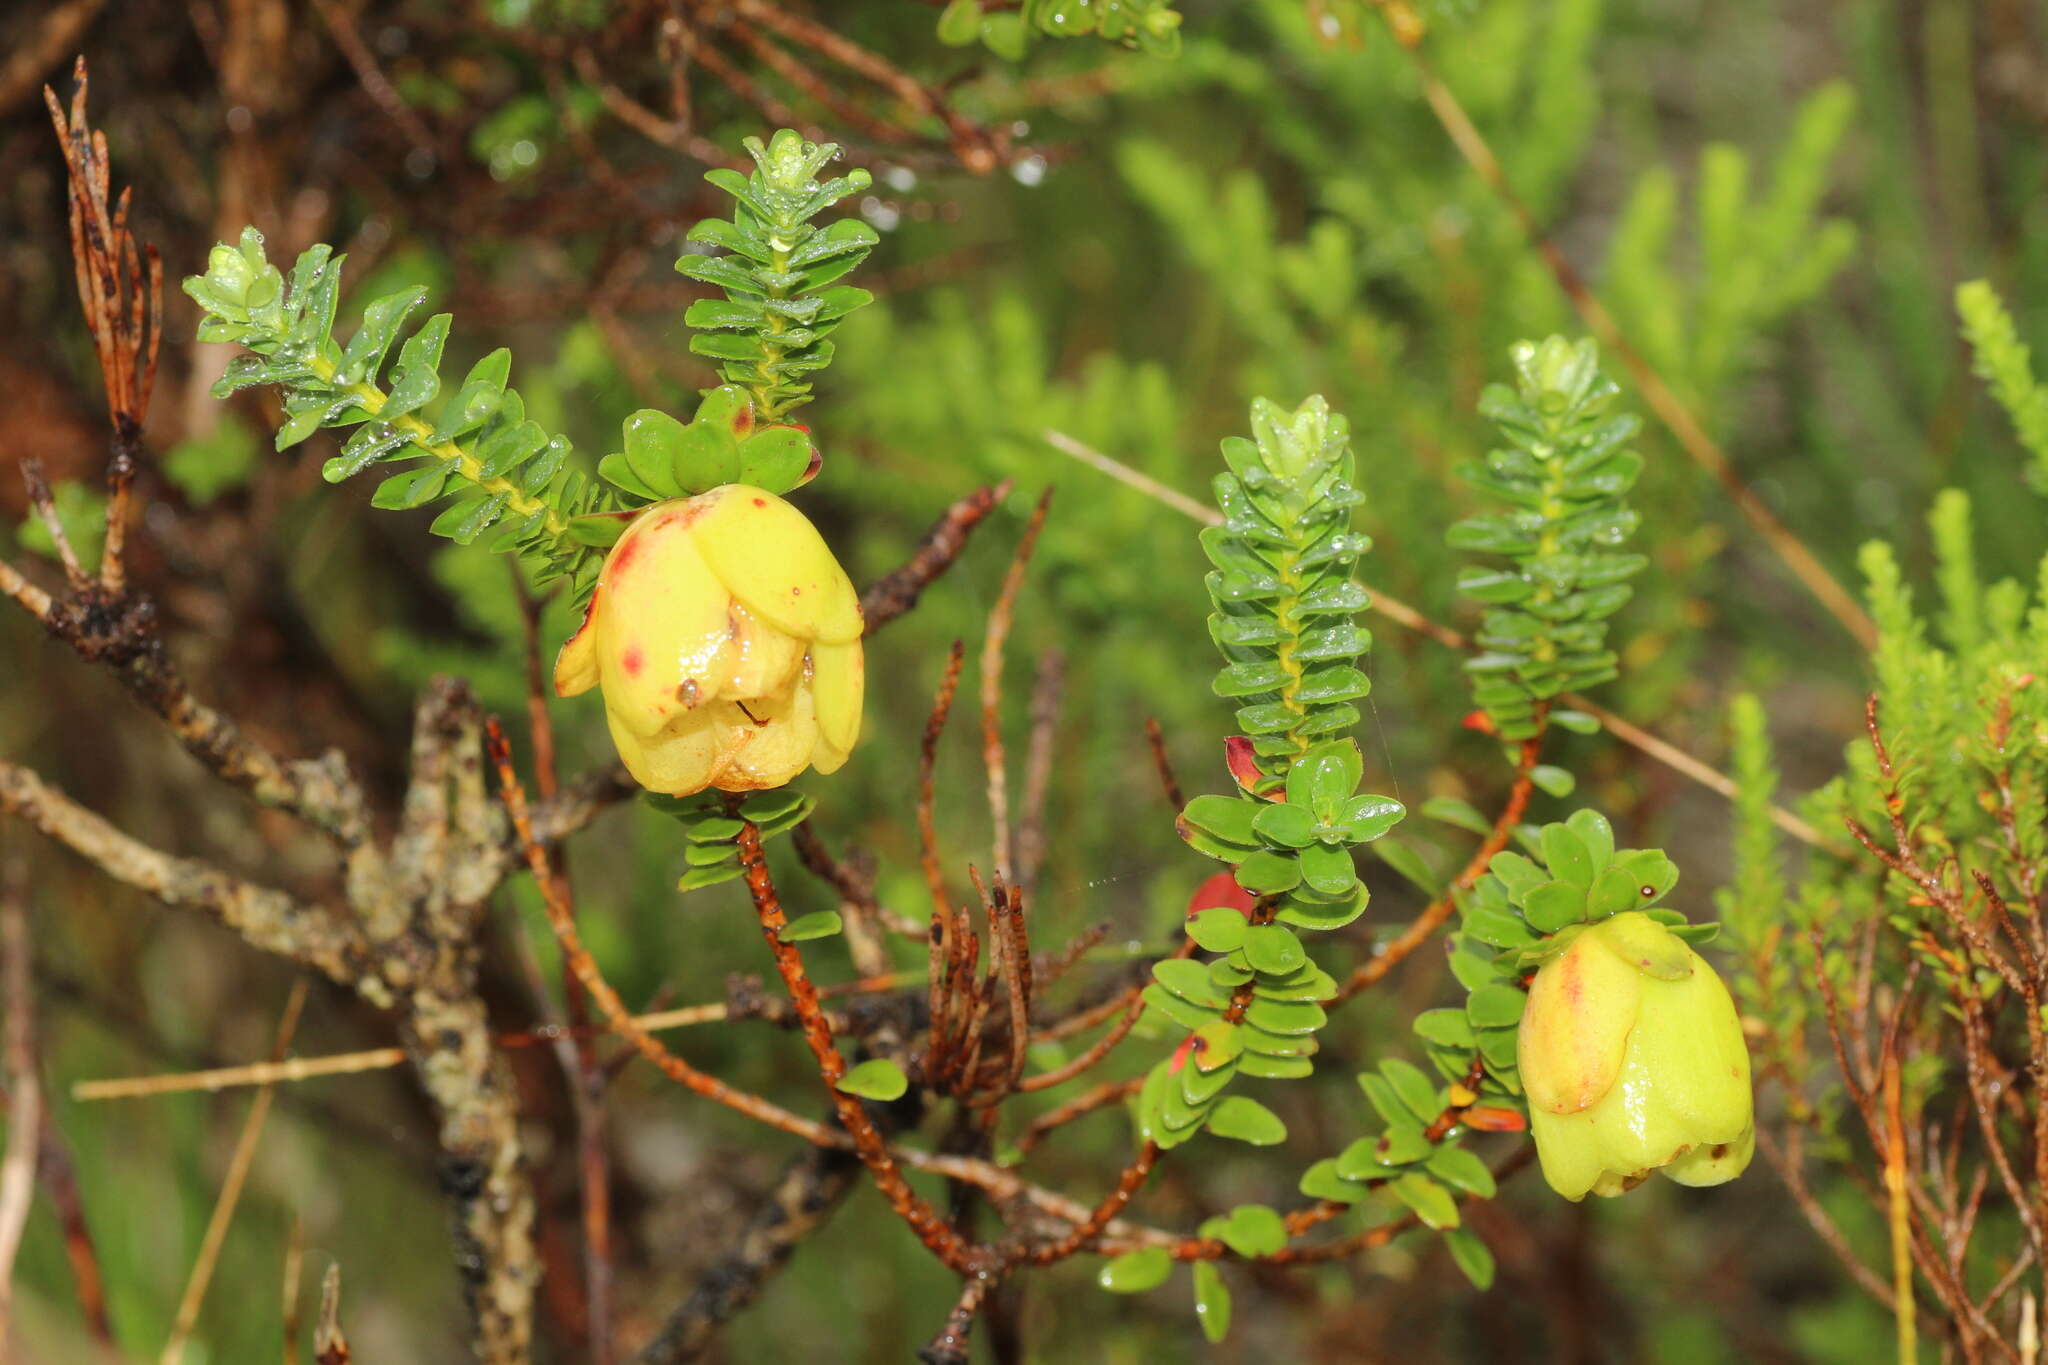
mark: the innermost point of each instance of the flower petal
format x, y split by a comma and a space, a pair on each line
773, 560
769, 742
679, 761
1714, 1163
1575, 1031
1690, 1037
1571, 1158
1634, 1125
838, 679
765, 661
576, 665
665, 634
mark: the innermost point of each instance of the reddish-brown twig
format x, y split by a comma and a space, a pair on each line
897, 592
583, 1070
585, 969
1162, 762
1083, 1104
1437, 911
993, 640
944, 950
937, 1235
121, 288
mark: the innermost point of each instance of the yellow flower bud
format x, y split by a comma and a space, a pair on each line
1633, 1060
727, 641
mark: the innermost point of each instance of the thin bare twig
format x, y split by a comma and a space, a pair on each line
329, 1346
993, 641
230, 1193
1692, 438
1399, 612
897, 592
24, 1092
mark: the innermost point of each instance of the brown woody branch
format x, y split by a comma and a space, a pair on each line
897, 592
270, 920
811, 1188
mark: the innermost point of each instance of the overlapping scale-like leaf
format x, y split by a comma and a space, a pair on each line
1562, 476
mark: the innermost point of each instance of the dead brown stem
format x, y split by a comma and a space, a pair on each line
897, 592
24, 1090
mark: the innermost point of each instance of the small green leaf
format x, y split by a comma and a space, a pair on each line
1285, 824
1614, 891
1461, 1170
1654, 875
1273, 948
1452, 811
775, 458
878, 1079
1596, 834
1472, 1257
1567, 856
708, 876
1189, 980
1250, 1230
1285, 1018
1185, 1013
1246, 1120
1495, 1006
1268, 1067
1324, 777
1228, 818
1327, 870
654, 442
1217, 929
818, 924
1321, 1181
1553, 905
1136, 1271
1418, 1093
1431, 1202
1552, 779
1365, 818
1448, 1027
1268, 873
1389, 1104
1212, 1299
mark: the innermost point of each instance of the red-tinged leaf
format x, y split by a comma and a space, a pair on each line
1480, 721
1487, 1119
1181, 1054
1222, 892
1243, 764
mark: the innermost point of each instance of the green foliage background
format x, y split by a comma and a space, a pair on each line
1775, 200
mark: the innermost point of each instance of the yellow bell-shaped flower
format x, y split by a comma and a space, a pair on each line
1633, 1060
727, 640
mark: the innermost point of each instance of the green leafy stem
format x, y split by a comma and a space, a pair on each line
1563, 474
781, 305
500, 468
